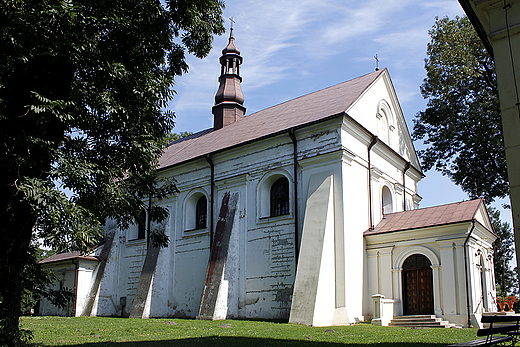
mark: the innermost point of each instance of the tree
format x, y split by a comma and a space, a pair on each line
176, 136
82, 88
461, 125
38, 283
506, 279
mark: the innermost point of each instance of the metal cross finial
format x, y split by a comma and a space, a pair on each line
377, 62
232, 22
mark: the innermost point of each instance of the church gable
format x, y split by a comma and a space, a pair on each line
379, 111
482, 217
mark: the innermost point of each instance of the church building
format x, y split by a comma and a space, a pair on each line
307, 211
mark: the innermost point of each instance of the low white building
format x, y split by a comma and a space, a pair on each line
73, 272
302, 211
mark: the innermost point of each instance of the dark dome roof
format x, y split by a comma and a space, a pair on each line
231, 48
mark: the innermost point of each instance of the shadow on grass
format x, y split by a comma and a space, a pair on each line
218, 341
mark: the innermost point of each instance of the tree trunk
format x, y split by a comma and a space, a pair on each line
15, 236
23, 157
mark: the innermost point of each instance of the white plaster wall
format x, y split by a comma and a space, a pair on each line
327, 297
314, 298
85, 271
65, 272
158, 304
355, 222
107, 298
191, 260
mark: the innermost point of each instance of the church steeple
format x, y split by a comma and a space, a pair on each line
229, 98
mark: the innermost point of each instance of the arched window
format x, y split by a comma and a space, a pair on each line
141, 225
386, 202
280, 197
196, 210
201, 213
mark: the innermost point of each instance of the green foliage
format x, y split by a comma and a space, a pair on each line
37, 283
176, 136
62, 223
99, 331
461, 125
98, 128
21, 336
83, 85
506, 278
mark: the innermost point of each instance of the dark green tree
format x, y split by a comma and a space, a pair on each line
176, 136
461, 125
506, 278
82, 89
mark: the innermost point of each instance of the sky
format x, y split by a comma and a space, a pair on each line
294, 47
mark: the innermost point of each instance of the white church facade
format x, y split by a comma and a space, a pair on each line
307, 211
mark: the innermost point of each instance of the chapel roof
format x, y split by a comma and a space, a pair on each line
304, 110
458, 212
67, 256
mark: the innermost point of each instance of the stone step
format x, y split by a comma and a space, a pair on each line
415, 319
404, 321
422, 316
421, 321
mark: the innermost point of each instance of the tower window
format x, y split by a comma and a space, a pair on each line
201, 213
280, 197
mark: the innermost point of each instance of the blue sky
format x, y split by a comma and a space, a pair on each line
294, 47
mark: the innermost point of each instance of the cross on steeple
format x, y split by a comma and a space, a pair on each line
232, 22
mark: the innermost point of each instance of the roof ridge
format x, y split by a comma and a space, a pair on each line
378, 72
192, 136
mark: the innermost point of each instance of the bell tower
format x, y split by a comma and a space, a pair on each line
229, 98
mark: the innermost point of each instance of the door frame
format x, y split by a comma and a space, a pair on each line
427, 271
397, 271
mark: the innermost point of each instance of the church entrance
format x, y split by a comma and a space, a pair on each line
417, 285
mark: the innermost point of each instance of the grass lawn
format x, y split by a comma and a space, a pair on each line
125, 332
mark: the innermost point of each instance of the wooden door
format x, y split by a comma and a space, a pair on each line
417, 285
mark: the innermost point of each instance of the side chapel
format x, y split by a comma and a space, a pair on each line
306, 211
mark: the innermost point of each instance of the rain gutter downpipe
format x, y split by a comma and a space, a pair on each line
372, 143
295, 180
406, 167
466, 270
212, 193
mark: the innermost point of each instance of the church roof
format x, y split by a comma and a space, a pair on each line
67, 256
305, 110
458, 212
